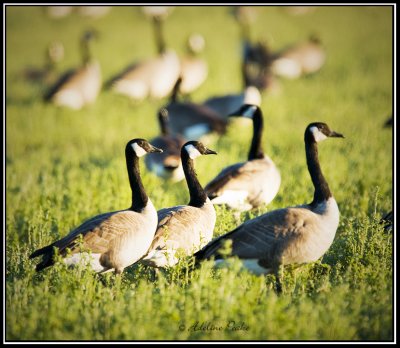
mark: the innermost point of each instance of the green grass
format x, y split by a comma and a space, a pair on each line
64, 166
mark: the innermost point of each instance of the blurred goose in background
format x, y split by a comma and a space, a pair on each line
154, 77
256, 56
247, 185
47, 74
194, 70
80, 86
182, 230
167, 165
58, 11
300, 59
299, 10
93, 11
192, 121
293, 235
114, 240
227, 104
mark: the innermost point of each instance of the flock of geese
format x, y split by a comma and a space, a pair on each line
140, 234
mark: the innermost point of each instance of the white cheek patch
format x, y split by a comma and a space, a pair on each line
138, 150
250, 111
318, 135
192, 151
252, 96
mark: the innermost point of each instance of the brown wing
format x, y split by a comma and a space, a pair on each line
61, 82
227, 174
180, 227
97, 232
238, 176
265, 237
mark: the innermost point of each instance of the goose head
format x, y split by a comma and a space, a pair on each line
196, 148
55, 52
319, 131
139, 147
195, 44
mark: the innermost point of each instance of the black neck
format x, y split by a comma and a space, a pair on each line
86, 55
165, 130
175, 90
256, 148
197, 195
321, 188
159, 35
139, 197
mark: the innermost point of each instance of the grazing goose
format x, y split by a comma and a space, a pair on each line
247, 185
256, 56
167, 165
301, 59
256, 66
80, 86
191, 120
194, 70
292, 235
46, 74
154, 77
225, 105
116, 239
184, 228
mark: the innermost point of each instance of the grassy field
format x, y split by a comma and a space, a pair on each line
64, 166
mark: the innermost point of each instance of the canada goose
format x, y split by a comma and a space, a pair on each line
160, 12
116, 239
78, 87
184, 228
256, 56
194, 70
192, 120
301, 59
290, 235
93, 11
154, 77
53, 55
168, 165
247, 185
58, 11
227, 104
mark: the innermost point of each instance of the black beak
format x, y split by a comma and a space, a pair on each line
209, 152
155, 149
333, 134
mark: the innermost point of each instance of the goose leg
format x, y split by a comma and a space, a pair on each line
279, 277
154, 274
